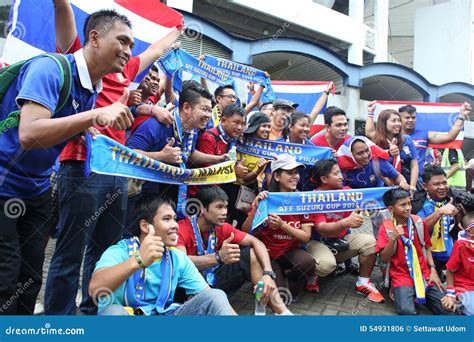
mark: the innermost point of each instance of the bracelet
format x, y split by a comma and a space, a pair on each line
461, 118
139, 259
218, 258
370, 115
326, 92
432, 266
451, 293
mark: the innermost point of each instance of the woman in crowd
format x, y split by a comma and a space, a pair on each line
283, 235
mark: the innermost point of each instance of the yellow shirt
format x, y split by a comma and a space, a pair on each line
251, 164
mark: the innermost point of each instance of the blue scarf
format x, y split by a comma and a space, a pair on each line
442, 242
209, 273
185, 142
135, 288
225, 137
413, 263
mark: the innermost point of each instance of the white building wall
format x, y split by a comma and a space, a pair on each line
444, 42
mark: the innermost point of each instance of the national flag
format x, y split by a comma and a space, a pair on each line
432, 117
305, 94
32, 29
346, 160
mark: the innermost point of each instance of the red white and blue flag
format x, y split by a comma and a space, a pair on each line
432, 117
306, 94
32, 30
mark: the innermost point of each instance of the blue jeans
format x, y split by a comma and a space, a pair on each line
91, 219
210, 302
467, 300
404, 300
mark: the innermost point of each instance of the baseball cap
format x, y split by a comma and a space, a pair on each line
255, 121
284, 103
285, 162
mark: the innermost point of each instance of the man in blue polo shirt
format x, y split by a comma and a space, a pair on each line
163, 143
30, 149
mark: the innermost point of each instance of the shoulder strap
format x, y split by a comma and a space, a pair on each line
388, 224
65, 69
420, 230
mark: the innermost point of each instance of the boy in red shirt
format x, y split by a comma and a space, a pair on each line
412, 269
460, 269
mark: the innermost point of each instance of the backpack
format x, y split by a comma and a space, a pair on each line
8, 75
420, 231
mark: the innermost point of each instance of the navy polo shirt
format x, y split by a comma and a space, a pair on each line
25, 174
366, 178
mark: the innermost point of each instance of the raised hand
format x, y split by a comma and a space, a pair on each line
117, 115
152, 247
229, 252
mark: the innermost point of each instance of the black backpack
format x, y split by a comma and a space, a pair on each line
8, 74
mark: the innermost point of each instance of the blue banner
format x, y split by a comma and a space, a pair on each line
243, 72
179, 60
106, 156
311, 202
306, 154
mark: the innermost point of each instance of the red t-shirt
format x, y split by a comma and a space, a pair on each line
187, 239
461, 262
332, 217
113, 86
398, 265
278, 242
207, 143
320, 140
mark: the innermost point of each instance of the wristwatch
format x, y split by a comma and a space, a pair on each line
270, 273
218, 258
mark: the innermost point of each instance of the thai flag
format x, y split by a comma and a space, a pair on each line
32, 28
432, 117
346, 160
306, 94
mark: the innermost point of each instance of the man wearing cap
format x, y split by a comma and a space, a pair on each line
281, 112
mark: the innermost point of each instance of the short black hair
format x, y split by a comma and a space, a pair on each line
432, 170
192, 92
468, 218
154, 68
393, 195
211, 194
103, 20
233, 109
407, 108
330, 112
220, 90
145, 209
322, 168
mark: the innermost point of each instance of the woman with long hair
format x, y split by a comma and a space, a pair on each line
283, 235
389, 136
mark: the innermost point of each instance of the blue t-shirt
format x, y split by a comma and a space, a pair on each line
407, 153
25, 174
185, 275
366, 178
152, 136
420, 139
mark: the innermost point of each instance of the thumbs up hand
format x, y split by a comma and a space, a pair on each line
117, 115
449, 209
152, 247
229, 252
170, 154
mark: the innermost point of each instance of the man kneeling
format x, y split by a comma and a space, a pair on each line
228, 257
139, 276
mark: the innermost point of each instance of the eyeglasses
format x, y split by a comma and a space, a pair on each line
230, 96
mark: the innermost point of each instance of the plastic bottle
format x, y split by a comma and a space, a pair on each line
233, 153
260, 309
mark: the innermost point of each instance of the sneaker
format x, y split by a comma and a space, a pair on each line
312, 284
371, 291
